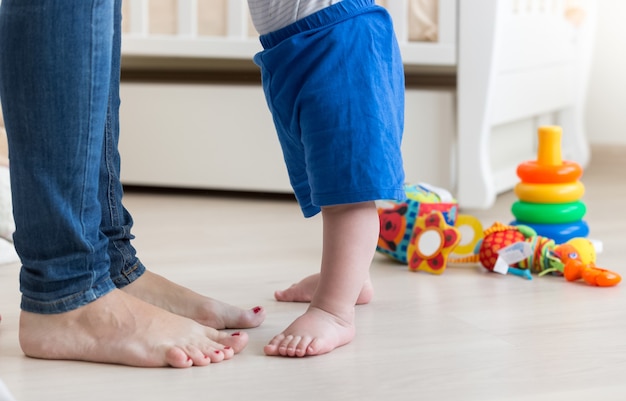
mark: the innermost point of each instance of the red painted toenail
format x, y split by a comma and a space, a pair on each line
217, 351
236, 334
226, 347
256, 309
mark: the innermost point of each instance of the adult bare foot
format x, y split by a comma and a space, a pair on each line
303, 291
119, 328
177, 299
316, 332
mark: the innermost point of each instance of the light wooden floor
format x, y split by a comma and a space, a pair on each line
464, 335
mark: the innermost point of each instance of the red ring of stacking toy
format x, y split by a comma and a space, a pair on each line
534, 173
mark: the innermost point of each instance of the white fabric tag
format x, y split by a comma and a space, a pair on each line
509, 255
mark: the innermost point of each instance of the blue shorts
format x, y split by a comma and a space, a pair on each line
334, 82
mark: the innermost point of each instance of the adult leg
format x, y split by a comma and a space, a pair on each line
54, 83
126, 270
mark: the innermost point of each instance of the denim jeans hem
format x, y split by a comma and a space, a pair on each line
128, 276
69, 303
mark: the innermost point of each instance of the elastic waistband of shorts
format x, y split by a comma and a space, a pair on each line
325, 17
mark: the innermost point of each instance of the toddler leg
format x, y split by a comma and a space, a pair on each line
303, 291
350, 235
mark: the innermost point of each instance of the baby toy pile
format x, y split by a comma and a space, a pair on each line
547, 237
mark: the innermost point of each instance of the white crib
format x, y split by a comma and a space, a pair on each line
517, 64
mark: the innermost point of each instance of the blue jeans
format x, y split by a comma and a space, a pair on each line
59, 85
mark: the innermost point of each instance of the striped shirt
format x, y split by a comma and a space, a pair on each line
271, 15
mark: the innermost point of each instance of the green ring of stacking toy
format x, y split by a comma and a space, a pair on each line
548, 213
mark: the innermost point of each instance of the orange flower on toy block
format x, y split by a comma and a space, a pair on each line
431, 243
392, 226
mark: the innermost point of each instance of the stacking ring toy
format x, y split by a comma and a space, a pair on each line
533, 172
548, 213
560, 233
550, 193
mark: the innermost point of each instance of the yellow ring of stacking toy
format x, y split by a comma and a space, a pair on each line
548, 213
550, 193
531, 172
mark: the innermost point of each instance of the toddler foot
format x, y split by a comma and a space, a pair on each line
172, 297
314, 333
119, 328
303, 291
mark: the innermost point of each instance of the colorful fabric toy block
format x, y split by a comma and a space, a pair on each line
398, 219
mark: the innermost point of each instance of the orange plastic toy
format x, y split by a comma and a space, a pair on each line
573, 268
592, 275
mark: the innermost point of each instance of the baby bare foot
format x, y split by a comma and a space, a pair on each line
119, 328
170, 296
303, 291
314, 333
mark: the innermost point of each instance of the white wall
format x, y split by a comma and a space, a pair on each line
606, 100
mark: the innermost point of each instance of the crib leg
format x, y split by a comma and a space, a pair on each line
475, 182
